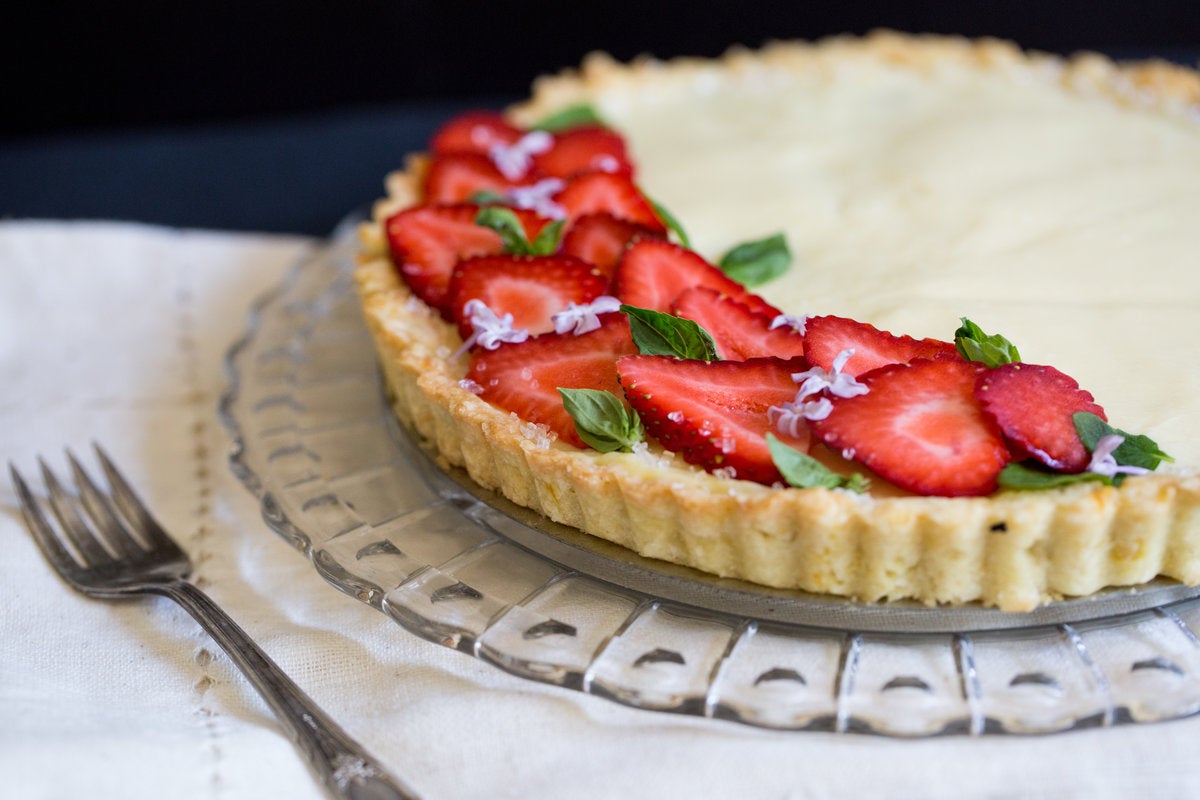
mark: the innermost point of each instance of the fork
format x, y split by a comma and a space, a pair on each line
109, 546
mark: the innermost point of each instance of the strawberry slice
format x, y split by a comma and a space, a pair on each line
456, 177
586, 148
601, 239
1033, 405
920, 427
653, 273
826, 337
474, 132
525, 377
738, 331
714, 414
613, 193
531, 288
427, 241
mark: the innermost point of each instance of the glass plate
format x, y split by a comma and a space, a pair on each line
315, 440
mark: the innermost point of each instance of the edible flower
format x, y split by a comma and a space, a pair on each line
835, 381
796, 322
539, 197
514, 160
789, 419
1103, 462
490, 330
584, 318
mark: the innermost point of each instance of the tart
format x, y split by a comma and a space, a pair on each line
929, 190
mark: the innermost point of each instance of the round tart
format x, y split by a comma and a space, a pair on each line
926, 188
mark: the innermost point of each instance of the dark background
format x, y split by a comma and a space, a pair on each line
272, 116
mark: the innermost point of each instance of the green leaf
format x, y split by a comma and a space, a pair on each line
754, 263
658, 334
1019, 476
485, 197
602, 420
548, 238
804, 471
569, 117
1136, 451
673, 224
505, 222
975, 345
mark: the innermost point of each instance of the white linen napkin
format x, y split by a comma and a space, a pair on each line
115, 333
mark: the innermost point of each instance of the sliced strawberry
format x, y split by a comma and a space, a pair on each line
653, 273
714, 414
587, 148
531, 288
826, 337
456, 177
474, 132
920, 427
601, 239
525, 377
738, 331
613, 193
1033, 405
427, 241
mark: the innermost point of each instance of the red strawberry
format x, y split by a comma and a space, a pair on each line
456, 177
427, 241
653, 273
826, 337
1033, 406
738, 331
474, 132
531, 288
601, 239
613, 193
525, 377
920, 427
714, 414
587, 148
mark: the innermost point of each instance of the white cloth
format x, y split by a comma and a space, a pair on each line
115, 333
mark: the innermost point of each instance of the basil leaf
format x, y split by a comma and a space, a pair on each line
505, 222
486, 197
658, 334
673, 224
1018, 476
1136, 451
805, 472
569, 117
975, 345
754, 263
548, 238
602, 420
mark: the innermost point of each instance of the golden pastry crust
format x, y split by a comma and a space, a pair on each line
1012, 550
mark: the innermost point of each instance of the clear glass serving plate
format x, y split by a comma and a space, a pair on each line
315, 440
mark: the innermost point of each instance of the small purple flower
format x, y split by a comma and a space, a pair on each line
584, 318
1103, 462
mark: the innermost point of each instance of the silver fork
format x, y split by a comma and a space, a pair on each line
109, 546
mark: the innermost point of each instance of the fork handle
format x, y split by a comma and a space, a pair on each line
345, 769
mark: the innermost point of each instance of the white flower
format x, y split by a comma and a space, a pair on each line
514, 160
835, 381
1103, 463
789, 418
490, 330
584, 318
796, 322
539, 197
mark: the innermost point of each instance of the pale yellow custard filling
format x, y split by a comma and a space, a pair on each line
918, 181
915, 195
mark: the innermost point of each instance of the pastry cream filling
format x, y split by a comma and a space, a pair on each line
911, 197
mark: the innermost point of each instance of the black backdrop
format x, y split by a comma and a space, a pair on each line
70, 65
